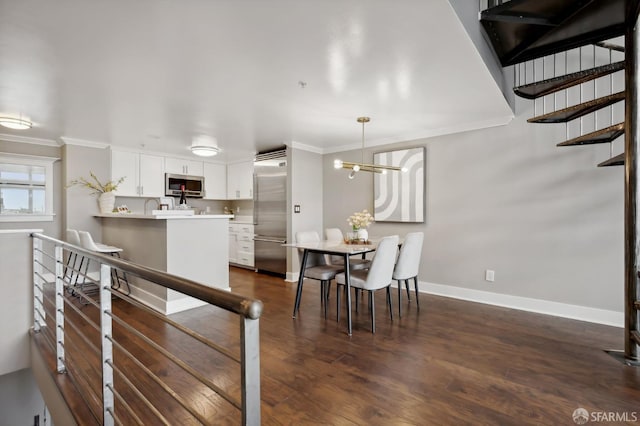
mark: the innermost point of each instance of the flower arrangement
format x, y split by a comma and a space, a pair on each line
95, 185
360, 220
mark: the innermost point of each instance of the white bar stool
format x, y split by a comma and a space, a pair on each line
89, 244
72, 268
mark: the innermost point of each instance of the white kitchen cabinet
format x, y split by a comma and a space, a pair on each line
182, 166
215, 181
241, 246
125, 164
233, 245
151, 176
240, 180
143, 173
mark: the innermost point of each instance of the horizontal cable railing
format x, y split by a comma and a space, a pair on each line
133, 365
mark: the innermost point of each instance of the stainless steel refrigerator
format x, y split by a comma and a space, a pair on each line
270, 212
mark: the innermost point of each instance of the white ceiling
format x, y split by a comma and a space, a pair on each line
156, 73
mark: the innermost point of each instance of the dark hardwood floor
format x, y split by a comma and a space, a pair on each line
452, 362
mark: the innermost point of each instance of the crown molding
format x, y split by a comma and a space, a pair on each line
82, 142
305, 147
430, 133
26, 139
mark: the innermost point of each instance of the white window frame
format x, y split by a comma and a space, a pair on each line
33, 160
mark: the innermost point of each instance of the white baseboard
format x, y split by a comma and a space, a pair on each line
564, 310
292, 277
167, 307
183, 304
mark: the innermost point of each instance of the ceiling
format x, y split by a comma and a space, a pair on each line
255, 74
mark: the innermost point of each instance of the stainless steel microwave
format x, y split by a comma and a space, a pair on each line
193, 185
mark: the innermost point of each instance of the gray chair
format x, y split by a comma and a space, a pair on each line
335, 234
377, 277
316, 269
408, 265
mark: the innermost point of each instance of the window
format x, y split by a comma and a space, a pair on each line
26, 188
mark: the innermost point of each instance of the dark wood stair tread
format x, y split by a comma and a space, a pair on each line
605, 135
521, 30
618, 160
545, 87
576, 111
610, 46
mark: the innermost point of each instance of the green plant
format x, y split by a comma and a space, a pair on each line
95, 185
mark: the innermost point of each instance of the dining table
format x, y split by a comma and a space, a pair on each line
338, 248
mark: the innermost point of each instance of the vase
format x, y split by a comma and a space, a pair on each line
363, 234
106, 201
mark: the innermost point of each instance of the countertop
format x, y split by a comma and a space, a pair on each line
245, 220
163, 217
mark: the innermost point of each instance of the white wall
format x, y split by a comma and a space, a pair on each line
467, 12
306, 182
546, 219
16, 303
80, 205
20, 399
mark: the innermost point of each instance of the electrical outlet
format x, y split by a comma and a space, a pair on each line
296, 208
490, 275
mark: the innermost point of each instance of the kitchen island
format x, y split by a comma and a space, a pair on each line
193, 247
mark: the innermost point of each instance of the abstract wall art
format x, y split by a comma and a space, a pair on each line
400, 196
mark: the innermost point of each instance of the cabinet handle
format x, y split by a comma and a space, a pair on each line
142, 190
238, 194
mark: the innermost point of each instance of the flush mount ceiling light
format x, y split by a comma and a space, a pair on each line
15, 123
362, 166
204, 146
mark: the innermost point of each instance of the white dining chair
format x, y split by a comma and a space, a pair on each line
335, 234
316, 268
408, 265
89, 244
378, 276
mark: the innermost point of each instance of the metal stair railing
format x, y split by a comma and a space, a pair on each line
488, 4
124, 382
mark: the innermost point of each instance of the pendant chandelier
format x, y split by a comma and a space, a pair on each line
362, 166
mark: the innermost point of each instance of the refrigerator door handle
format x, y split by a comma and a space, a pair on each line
270, 240
255, 199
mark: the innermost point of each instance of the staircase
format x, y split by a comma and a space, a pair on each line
540, 39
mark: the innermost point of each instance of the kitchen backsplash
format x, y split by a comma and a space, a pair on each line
238, 207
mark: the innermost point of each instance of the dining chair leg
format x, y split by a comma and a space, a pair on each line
399, 298
372, 304
415, 285
389, 302
406, 286
357, 298
324, 290
296, 305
